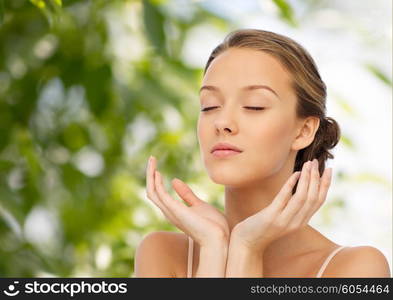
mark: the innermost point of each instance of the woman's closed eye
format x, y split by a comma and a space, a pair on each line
247, 107
254, 107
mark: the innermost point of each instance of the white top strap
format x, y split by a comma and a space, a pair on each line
327, 260
190, 256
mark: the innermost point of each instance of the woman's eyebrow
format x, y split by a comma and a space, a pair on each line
247, 88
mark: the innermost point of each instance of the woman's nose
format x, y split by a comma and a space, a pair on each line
225, 123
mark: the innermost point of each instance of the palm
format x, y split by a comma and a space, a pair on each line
212, 215
260, 220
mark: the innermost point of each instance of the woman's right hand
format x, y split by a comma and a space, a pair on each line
201, 221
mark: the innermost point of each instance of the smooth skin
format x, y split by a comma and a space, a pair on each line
264, 231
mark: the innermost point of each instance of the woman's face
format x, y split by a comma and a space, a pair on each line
265, 136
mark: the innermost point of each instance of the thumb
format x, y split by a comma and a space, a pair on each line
185, 192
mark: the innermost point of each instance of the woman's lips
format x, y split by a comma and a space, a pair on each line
225, 153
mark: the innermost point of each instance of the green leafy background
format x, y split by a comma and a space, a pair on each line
90, 89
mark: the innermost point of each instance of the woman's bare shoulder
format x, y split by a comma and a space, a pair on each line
359, 261
161, 254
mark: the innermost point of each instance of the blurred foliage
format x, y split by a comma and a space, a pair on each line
88, 90
78, 122
286, 12
379, 74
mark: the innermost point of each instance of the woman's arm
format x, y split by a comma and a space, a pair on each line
212, 260
243, 262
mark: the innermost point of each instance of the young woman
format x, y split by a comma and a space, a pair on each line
263, 134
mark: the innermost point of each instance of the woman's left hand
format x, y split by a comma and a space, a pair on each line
287, 212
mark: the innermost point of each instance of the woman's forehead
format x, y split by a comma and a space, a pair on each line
242, 67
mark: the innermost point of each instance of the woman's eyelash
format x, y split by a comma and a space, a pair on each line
208, 108
248, 107
254, 107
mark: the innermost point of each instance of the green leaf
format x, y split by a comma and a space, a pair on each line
286, 12
366, 177
39, 3
1, 12
154, 25
347, 141
377, 72
344, 105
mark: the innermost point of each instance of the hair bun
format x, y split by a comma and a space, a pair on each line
331, 133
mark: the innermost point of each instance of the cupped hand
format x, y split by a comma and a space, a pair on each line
201, 221
287, 212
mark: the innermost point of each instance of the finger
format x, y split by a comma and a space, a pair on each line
149, 179
186, 219
151, 191
298, 199
185, 192
312, 195
326, 180
174, 206
285, 193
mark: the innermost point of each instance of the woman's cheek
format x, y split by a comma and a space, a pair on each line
202, 134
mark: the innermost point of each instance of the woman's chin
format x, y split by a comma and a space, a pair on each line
228, 180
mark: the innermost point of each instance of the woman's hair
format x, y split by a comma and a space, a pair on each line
309, 88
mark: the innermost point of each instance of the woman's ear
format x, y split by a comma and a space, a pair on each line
305, 133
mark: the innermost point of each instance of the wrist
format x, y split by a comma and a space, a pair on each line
215, 241
245, 250
244, 261
215, 245
237, 242
212, 260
